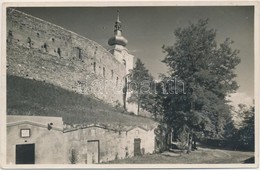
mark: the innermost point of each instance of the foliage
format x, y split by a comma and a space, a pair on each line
206, 73
161, 138
140, 83
73, 156
36, 98
247, 133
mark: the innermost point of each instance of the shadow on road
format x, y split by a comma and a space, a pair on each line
249, 160
200, 145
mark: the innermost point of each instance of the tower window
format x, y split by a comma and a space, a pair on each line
124, 62
78, 53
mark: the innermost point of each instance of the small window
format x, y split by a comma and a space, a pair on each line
124, 62
112, 73
38, 34
104, 72
94, 66
78, 53
116, 80
52, 39
25, 133
45, 46
59, 51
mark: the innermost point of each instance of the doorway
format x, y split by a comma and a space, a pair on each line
93, 152
137, 146
25, 154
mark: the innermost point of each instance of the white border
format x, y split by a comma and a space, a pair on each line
103, 3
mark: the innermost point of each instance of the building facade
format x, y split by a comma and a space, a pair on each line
46, 140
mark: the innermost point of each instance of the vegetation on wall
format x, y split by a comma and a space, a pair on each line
37, 98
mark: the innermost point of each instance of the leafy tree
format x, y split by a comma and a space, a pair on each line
246, 134
140, 83
206, 73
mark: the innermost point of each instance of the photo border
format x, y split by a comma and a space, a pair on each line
134, 3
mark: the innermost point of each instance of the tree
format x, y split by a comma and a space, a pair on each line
140, 83
206, 72
246, 133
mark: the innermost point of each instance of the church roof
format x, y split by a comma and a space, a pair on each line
117, 39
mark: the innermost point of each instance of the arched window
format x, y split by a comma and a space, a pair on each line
124, 62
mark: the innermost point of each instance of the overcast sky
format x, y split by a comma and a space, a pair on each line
148, 28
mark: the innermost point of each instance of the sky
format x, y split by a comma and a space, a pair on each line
147, 29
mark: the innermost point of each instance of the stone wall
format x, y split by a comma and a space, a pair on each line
49, 146
55, 145
113, 143
43, 51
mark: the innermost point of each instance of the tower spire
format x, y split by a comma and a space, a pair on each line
117, 39
118, 15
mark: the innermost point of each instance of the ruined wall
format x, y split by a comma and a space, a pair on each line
40, 50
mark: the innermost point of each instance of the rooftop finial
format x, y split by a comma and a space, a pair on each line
118, 15
118, 39
118, 23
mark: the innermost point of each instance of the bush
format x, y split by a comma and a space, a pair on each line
74, 156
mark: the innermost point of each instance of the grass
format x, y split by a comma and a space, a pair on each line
201, 156
37, 98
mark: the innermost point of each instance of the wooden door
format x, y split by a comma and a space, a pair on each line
93, 152
137, 146
25, 154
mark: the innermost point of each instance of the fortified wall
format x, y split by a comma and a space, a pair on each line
43, 51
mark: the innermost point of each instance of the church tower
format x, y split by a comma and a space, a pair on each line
118, 48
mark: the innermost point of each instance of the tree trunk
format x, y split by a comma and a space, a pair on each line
189, 143
194, 142
138, 107
138, 102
